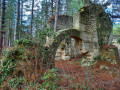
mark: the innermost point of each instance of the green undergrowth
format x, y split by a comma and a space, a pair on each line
46, 81
21, 67
118, 40
99, 58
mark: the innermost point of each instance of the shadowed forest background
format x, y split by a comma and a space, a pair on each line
34, 32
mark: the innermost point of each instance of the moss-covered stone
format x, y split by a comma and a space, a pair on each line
110, 52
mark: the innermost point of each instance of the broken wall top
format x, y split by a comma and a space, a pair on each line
64, 22
93, 18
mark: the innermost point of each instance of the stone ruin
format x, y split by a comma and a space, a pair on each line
64, 22
85, 32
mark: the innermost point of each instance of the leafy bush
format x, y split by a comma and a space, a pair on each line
50, 80
118, 40
97, 58
8, 63
116, 30
23, 54
47, 81
16, 82
21, 67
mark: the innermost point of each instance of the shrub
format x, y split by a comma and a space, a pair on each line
97, 58
118, 40
24, 54
50, 80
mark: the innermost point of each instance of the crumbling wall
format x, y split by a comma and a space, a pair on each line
93, 23
104, 26
64, 22
60, 36
85, 21
110, 52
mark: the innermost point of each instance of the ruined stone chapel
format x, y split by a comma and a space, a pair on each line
84, 32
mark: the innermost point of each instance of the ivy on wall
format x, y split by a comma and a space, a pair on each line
104, 27
103, 22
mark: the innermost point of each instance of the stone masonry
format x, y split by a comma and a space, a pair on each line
85, 21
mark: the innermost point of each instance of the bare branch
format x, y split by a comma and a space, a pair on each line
115, 16
106, 4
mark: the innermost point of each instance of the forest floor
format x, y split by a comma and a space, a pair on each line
71, 75
100, 76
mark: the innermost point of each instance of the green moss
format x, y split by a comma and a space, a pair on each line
104, 27
104, 24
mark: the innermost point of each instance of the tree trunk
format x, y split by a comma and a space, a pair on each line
67, 7
51, 7
2, 25
0, 3
17, 19
46, 11
56, 16
31, 18
8, 35
21, 19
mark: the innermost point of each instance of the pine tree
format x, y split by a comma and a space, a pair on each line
2, 25
10, 21
51, 7
31, 26
56, 15
17, 20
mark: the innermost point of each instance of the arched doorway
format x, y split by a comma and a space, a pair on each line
70, 47
49, 57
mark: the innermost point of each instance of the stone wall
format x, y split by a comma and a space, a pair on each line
104, 26
110, 52
89, 21
49, 55
85, 22
64, 22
